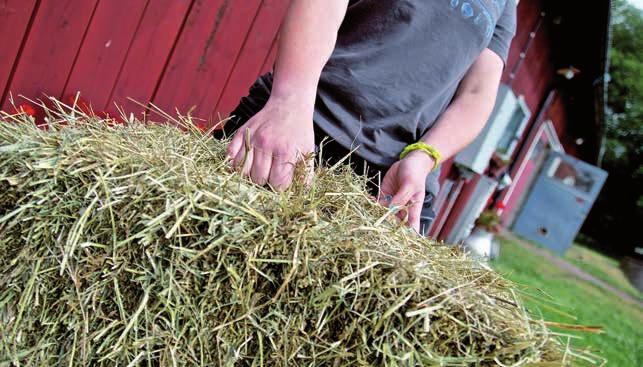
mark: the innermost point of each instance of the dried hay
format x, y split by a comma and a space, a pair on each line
134, 244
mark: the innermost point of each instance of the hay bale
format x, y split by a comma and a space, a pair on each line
134, 244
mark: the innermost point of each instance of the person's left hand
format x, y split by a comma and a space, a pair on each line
404, 187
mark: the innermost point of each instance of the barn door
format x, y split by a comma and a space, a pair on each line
559, 201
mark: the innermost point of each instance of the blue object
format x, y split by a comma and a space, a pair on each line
467, 10
559, 201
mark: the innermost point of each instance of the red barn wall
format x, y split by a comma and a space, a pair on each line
180, 53
531, 72
176, 53
535, 75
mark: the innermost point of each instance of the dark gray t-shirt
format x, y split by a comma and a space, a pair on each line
396, 67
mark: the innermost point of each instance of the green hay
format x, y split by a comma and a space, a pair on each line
135, 245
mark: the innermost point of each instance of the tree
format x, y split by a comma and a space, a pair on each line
618, 213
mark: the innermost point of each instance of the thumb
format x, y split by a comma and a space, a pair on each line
403, 195
415, 212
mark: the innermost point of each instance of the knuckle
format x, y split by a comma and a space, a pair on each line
278, 177
282, 151
261, 140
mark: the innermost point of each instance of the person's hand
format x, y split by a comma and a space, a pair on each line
268, 146
404, 187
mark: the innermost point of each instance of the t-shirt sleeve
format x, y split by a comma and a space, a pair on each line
504, 32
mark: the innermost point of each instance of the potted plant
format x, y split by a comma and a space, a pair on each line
480, 243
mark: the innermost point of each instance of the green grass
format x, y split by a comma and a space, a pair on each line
622, 339
602, 267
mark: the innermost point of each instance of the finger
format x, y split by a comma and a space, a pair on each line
247, 162
310, 173
384, 195
400, 201
388, 187
402, 196
402, 215
415, 212
384, 198
244, 152
235, 144
281, 173
261, 163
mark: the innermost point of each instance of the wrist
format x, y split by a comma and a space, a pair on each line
422, 149
300, 93
423, 160
303, 104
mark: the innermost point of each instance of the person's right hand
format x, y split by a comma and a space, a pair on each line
269, 145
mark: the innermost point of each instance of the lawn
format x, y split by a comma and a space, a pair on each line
603, 267
622, 340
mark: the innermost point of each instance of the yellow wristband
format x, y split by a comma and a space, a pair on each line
426, 148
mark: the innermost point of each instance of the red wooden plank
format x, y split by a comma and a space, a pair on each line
14, 21
255, 51
185, 58
102, 53
204, 55
149, 53
51, 47
528, 16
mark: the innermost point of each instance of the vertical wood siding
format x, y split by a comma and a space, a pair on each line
191, 55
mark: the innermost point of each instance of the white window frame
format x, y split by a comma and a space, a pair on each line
520, 103
475, 156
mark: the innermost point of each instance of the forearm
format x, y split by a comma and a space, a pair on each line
460, 123
466, 116
308, 37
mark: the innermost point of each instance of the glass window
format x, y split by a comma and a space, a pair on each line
572, 176
515, 127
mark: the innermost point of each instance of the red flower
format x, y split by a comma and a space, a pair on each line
80, 102
27, 109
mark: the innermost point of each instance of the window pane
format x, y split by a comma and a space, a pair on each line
511, 131
572, 176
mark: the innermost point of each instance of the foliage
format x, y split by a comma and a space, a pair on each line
619, 209
489, 220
